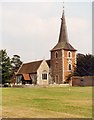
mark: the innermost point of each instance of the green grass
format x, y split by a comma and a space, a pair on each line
58, 102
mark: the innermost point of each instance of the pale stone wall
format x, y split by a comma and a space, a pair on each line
43, 67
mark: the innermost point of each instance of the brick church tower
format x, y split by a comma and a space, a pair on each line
63, 56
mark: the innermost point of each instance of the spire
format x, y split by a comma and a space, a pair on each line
63, 37
63, 9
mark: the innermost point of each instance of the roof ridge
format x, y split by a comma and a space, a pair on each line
36, 61
33, 61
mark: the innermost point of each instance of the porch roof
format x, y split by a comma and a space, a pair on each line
26, 76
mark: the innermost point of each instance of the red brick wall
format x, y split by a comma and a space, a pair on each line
62, 63
83, 81
66, 72
56, 69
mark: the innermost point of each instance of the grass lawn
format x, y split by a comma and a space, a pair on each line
50, 102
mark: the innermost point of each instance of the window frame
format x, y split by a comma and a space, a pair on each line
44, 75
69, 54
56, 54
69, 66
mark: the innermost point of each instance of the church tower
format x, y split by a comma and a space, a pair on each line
63, 56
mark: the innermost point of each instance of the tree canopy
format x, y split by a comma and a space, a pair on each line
8, 66
85, 65
16, 63
5, 66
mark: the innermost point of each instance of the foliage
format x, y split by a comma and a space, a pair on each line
0, 68
7, 85
8, 66
85, 65
69, 78
16, 63
5, 66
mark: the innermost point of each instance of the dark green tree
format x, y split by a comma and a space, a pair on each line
0, 68
5, 67
16, 63
85, 65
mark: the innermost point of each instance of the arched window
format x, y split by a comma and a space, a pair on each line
69, 54
44, 75
69, 66
56, 54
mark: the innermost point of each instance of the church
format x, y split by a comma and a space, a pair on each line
54, 71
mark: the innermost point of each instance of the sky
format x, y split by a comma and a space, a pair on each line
31, 29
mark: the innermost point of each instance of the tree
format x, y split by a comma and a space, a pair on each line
5, 67
85, 65
16, 63
0, 68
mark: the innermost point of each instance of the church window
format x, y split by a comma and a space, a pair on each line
44, 75
56, 54
69, 66
69, 54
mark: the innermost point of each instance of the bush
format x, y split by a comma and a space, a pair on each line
7, 85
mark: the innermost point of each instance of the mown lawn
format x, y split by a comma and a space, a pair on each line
50, 102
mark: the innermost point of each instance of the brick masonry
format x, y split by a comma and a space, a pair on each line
59, 65
83, 81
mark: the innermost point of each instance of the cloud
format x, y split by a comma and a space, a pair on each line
25, 31
33, 30
80, 34
46, 1
78, 25
19, 21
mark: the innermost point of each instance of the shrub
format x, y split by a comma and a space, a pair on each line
7, 85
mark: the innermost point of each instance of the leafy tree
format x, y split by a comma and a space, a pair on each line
85, 65
5, 67
16, 63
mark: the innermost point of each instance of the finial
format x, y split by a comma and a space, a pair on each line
63, 7
63, 11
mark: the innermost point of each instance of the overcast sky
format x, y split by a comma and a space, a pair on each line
31, 29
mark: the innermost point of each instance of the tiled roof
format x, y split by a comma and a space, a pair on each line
30, 67
48, 62
63, 45
26, 76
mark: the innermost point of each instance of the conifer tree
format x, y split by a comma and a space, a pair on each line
5, 67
